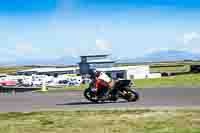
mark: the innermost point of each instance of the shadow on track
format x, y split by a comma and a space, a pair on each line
90, 103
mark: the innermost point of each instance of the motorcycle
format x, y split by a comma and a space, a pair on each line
122, 89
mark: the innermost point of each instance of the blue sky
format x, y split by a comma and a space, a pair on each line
50, 29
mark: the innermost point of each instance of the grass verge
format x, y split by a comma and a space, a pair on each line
66, 88
110, 121
12, 70
170, 69
187, 80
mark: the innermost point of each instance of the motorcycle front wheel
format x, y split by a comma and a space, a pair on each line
89, 96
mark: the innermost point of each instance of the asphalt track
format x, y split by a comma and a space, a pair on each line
154, 97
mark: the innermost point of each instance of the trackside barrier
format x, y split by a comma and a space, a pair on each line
7, 91
12, 90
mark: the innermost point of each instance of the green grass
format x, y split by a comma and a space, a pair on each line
12, 70
187, 80
77, 87
67, 88
110, 121
170, 69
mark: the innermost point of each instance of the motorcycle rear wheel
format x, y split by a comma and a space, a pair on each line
131, 95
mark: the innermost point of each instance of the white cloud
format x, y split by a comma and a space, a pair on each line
74, 52
7, 52
152, 50
188, 37
22, 49
188, 41
103, 45
195, 50
7, 59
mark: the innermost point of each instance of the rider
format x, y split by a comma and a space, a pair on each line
103, 83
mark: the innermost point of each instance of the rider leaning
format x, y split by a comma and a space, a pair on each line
103, 83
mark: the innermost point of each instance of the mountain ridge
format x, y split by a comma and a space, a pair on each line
163, 56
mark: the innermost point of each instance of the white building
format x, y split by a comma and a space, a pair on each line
131, 72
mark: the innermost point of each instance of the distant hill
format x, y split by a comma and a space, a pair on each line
67, 60
159, 56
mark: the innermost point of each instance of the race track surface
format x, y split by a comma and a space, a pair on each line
154, 97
